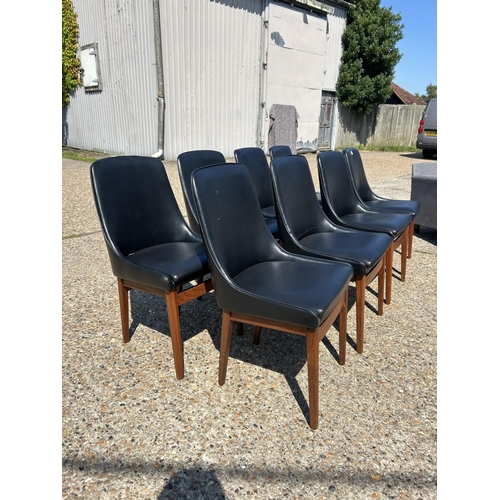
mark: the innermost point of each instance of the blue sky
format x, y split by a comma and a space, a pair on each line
418, 66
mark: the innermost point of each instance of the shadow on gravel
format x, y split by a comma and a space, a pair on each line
418, 156
427, 234
280, 352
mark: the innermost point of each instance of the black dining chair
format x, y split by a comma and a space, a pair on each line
342, 207
275, 151
259, 283
150, 245
306, 230
278, 151
255, 160
187, 163
371, 200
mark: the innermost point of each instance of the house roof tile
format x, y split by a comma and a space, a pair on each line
405, 96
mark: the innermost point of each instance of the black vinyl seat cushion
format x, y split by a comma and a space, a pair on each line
270, 290
168, 265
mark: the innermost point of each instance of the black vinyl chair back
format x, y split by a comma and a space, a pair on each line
256, 162
337, 192
187, 163
365, 192
275, 151
298, 211
358, 175
136, 206
253, 242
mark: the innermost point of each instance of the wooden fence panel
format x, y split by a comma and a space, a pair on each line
386, 125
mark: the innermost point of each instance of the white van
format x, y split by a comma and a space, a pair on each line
427, 131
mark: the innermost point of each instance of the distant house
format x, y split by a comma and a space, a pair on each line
401, 96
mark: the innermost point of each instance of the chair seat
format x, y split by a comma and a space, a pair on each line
300, 293
175, 264
269, 212
272, 224
390, 223
410, 206
363, 250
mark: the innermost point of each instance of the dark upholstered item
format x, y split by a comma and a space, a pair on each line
306, 230
342, 207
258, 282
275, 151
373, 201
150, 245
424, 191
187, 163
256, 162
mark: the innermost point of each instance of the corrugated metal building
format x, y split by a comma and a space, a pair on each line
167, 76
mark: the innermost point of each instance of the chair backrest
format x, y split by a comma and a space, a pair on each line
337, 192
358, 175
256, 162
187, 163
297, 209
135, 204
235, 233
275, 151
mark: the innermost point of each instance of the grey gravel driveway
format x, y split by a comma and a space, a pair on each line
132, 431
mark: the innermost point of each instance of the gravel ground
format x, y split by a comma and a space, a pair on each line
132, 431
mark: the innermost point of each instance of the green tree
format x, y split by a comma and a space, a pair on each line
369, 55
70, 61
430, 92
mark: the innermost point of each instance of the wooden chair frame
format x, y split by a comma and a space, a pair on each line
174, 300
313, 338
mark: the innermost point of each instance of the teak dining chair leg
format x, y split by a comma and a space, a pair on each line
404, 252
388, 274
312, 345
381, 279
174, 300
313, 338
360, 312
403, 242
174, 322
256, 334
361, 284
123, 296
410, 242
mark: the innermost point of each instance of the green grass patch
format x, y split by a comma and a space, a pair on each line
394, 149
81, 155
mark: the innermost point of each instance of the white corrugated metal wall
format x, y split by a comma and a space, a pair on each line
122, 118
296, 53
337, 21
212, 54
